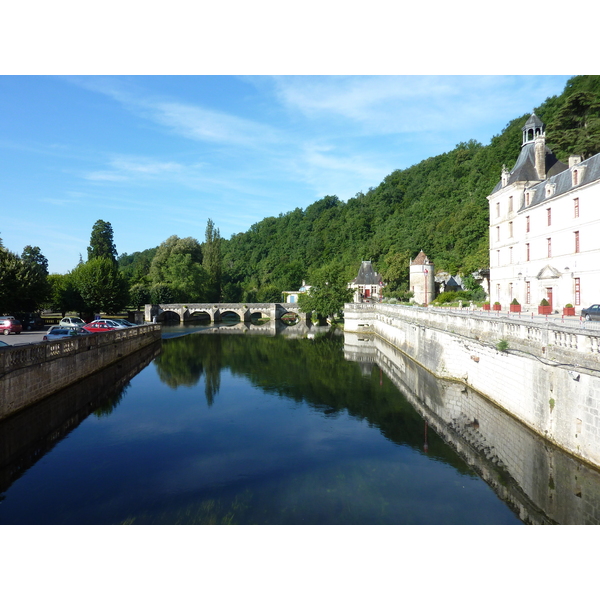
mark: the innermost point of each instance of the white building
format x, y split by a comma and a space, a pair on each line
545, 228
422, 279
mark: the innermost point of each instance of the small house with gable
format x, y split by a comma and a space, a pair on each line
367, 285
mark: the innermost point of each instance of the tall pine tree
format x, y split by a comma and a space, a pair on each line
101, 242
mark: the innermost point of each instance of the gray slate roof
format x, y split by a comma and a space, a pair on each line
366, 275
564, 181
524, 169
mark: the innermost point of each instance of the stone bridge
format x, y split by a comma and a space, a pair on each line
216, 312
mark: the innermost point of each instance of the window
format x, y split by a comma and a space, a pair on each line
577, 241
510, 291
498, 258
527, 224
577, 291
549, 213
576, 207
575, 177
497, 209
498, 292
527, 252
510, 229
528, 292
510, 256
510, 204
549, 247
497, 234
527, 200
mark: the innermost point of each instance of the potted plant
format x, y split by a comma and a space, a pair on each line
515, 306
497, 306
486, 306
544, 308
568, 310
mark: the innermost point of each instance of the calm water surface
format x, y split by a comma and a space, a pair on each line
236, 428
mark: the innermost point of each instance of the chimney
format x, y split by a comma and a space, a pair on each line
540, 156
574, 159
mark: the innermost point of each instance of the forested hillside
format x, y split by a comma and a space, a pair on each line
438, 205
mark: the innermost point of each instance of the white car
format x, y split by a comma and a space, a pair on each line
74, 322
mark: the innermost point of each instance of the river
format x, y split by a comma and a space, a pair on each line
220, 426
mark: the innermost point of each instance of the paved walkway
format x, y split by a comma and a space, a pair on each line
552, 320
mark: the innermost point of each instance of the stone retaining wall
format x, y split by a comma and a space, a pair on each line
30, 373
548, 378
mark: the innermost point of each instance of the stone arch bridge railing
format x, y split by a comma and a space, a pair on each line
215, 312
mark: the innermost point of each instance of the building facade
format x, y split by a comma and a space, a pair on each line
545, 228
367, 285
422, 279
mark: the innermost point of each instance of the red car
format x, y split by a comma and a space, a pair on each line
97, 327
10, 325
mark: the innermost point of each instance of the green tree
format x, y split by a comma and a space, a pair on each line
139, 294
328, 293
178, 263
64, 295
23, 281
101, 285
162, 293
211, 251
575, 128
38, 289
101, 242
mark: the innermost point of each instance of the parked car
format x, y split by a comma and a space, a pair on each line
99, 326
114, 323
124, 322
592, 313
72, 322
58, 333
30, 321
4, 344
10, 325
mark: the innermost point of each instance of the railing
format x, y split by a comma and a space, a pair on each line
17, 357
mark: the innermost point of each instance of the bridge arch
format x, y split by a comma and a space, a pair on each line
192, 312
168, 316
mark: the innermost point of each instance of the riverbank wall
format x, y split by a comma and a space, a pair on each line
30, 373
547, 377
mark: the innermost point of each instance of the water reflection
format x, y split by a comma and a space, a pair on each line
28, 435
541, 482
230, 425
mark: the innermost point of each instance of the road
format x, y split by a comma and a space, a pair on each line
25, 337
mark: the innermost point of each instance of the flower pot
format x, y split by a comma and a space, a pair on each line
515, 307
544, 310
486, 307
497, 307
569, 311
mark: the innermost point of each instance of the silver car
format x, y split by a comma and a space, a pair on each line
74, 322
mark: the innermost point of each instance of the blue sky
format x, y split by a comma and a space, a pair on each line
159, 155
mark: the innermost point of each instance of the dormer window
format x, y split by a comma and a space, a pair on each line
550, 189
577, 174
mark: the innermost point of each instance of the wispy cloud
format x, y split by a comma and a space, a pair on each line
192, 121
123, 168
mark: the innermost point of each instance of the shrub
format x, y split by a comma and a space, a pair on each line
568, 305
502, 346
544, 302
515, 302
